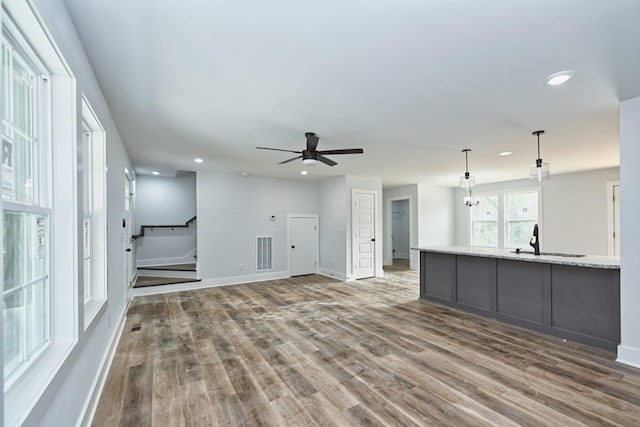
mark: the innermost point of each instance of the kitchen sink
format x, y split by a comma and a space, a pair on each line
550, 254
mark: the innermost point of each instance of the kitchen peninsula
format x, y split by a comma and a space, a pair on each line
571, 297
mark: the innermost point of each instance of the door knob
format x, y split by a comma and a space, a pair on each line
293, 247
128, 250
373, 240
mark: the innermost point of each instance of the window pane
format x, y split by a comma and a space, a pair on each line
485, 233
26, 297
6, 64
519, 233
487, 209
522, 206
13, 317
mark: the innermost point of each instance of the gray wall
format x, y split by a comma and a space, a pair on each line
233, 210
629, 349
65, 401
333, 227
436, 215
574, 211
165, 201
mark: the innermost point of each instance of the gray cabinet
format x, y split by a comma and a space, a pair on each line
581, 304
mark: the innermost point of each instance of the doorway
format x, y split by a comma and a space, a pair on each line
126, 232
363, 224
400, 246
303, 244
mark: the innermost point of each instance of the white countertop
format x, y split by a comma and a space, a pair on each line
594, 261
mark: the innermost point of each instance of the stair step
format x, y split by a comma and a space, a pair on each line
146, 281
183, 274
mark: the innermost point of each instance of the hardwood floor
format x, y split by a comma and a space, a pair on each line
314, 351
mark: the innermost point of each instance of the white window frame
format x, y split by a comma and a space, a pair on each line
471, 220
23, 390
507, 221
502, 220
94, 210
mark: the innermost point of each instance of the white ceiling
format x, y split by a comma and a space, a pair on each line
412, 82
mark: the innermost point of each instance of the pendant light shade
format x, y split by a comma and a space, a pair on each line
539, 171
467, 181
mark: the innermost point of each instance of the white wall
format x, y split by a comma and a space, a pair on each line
574, 211
400, 228
232, 210
70, 393
333, 227
165, 201
364, 183
629, 348
436, 215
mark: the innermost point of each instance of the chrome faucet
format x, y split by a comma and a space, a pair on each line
535, 241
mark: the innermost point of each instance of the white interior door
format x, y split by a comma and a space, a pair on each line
303, 243
363, 231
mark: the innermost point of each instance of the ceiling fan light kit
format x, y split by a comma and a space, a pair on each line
310, 156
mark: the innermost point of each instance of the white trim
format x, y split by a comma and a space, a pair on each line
317, 218
610, 218
210, 283
91, 403
628, 355
165, 273
333, 274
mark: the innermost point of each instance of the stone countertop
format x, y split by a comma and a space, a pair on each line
593, 261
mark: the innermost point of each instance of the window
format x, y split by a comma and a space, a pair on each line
93, 224
26, 210
521, 214
39, 205
484, 222
505, 219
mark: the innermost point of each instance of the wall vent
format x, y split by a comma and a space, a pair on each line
265, 253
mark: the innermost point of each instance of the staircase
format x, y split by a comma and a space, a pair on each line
165, 275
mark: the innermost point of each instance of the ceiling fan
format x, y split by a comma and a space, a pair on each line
311, 156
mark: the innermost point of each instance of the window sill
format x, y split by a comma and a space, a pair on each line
91, 310
21, 395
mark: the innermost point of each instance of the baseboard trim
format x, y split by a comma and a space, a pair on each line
91, 405
210, 283
628, 355
332, 274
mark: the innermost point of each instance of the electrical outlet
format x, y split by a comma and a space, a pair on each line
241, 267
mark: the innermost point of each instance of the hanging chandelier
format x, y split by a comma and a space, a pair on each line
540, 170
467, 181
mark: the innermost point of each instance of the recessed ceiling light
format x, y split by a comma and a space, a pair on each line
556, 79
505, 153
303, 172
155, 173
198, 160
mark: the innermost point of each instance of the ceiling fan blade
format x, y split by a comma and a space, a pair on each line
326, 160
344, 151
312, 141
279, 149
290, 160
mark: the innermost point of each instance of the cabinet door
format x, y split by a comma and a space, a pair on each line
438, 275
476, 278
522, 290
586, 301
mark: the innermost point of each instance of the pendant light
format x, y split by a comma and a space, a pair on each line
540, 170
467, 181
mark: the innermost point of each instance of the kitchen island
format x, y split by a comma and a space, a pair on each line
575, 298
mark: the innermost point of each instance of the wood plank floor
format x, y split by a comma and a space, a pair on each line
312, 351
